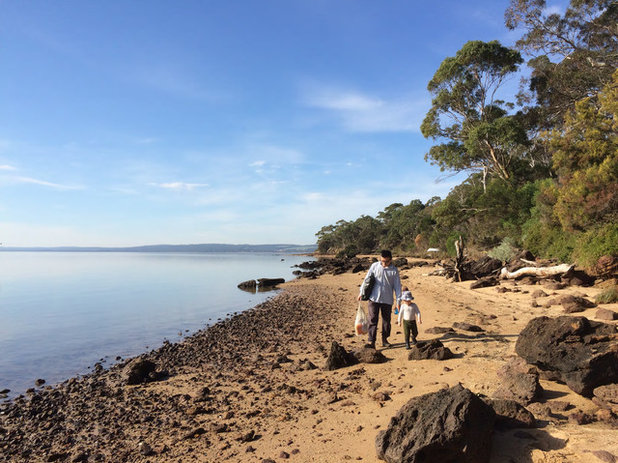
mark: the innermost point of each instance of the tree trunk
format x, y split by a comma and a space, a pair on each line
536, 271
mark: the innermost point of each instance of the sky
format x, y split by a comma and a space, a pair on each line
215, 121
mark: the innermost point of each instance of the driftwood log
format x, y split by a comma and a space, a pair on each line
536, 271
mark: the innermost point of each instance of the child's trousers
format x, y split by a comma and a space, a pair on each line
410, 326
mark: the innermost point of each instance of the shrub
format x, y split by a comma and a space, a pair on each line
596, 242
608, 296
505, 251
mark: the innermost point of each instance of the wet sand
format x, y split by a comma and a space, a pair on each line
253, 388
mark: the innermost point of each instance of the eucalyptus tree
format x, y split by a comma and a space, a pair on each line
471, 124
572, 55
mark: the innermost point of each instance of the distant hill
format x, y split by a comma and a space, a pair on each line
207, 247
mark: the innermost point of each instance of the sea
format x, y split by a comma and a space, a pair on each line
62, 312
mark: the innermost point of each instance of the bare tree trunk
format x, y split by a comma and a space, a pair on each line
536, 271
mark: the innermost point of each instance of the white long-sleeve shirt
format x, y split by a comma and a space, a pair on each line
387, 281
409, 311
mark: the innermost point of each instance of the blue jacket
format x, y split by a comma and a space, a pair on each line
386, 282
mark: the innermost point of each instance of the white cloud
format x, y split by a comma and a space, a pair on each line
7, 167
57, 186
180, 186
553, 9
358, 112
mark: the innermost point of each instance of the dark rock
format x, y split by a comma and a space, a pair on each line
539, 293
485, 282
485, 266
528, 280
581, 418
145, 449
138, 371
59, 456
606, 314
607, 266
511, 414
572, 304
607, 397
467, 327
400, 262
432, 349
369, 355
518, 382
268, 282
248, 285
440, 330
583, 353
451, 425
339, 357
554, 285
39, 382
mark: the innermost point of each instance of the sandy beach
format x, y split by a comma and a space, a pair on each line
253, 388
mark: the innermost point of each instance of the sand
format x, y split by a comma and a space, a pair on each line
263, 403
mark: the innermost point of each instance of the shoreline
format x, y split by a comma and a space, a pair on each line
252, 387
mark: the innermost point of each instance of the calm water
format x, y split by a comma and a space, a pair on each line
62, 312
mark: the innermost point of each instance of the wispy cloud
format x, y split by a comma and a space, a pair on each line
45, 183
7, 167
180, 186
359, 112
553, 9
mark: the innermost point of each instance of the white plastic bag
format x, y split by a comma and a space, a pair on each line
361, 324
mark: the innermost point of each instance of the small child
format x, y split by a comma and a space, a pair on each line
403, 289
410, 313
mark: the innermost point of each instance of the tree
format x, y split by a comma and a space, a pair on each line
585, 153
473, 125
572, 55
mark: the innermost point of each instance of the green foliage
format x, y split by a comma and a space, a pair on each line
474, 130
585, 153
607, 296
596, 242
506, 251
572, 55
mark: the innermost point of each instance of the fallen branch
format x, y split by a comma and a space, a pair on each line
536, 271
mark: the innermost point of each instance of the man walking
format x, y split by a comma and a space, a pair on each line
381, 298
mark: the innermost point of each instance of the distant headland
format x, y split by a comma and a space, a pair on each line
206, 247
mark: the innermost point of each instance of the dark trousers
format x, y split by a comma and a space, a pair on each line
374, 309
409, 325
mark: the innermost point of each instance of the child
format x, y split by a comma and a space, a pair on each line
410, 313
404, 288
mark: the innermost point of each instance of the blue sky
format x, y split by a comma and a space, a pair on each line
230, 121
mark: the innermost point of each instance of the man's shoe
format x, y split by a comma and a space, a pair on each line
371, 345
407, 345
386, 344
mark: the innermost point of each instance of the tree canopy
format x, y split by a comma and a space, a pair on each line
471, 123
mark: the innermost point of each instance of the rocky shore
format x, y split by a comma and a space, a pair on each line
256, 387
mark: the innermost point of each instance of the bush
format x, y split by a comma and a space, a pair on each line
505, 252
596, 242
608, 296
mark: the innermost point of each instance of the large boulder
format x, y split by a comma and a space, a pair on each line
451, 425
581, 352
